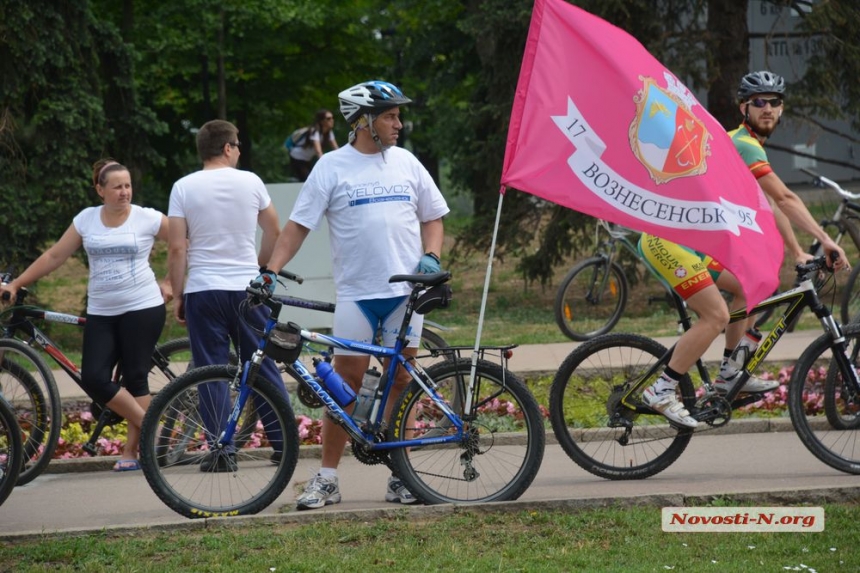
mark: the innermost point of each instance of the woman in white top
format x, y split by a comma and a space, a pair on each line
302, 157
125, 304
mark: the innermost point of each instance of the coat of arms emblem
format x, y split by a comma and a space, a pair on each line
665, 136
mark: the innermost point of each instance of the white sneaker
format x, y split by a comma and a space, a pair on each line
397, 492
753, 386
318, 493
667, 404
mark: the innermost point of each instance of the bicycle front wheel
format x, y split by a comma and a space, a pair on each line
11, 450
824, 407
186, 470
30, 389
590, 299
503, 440
600, 433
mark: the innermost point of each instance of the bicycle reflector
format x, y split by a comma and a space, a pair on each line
435, 297
284, 343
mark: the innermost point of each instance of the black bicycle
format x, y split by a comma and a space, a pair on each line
602, 423
28, 383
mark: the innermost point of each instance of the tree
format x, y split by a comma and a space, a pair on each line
66, 98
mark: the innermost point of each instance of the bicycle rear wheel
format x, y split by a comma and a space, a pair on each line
503, 441
172, 358
30, 389
824, 409
177, 439
431, 340
588, 302
11, 450
598, 432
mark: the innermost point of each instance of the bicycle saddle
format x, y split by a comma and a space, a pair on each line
430, 280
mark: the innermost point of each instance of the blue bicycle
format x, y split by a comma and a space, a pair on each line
465, 430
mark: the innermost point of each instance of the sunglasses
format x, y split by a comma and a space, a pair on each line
762, 101
234, 143
329, 118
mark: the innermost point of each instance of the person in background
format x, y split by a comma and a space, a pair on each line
125, 303
321, 132
371, 240
214, 214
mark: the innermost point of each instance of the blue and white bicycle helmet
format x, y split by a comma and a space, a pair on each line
371, 97
762, 82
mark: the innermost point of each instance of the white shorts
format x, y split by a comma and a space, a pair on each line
360, 320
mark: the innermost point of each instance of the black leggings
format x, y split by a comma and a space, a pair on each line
129, 339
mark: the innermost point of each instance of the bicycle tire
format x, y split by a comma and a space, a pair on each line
260, 474
31, 390
177, 353
11, 450
160, 377
850, 307
837, 445
431, 340
589, 421
580, 312
503, 446
841, 404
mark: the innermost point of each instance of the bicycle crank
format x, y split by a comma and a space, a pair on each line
713, 410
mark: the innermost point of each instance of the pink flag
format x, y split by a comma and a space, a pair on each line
600, 126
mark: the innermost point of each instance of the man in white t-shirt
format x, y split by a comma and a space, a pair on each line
384, 216
214, 214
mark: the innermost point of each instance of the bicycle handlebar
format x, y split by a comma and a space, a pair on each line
813, 266
821, 181
291, 276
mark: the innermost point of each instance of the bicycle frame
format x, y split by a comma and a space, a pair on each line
339, 415
846, 217
795, 300
21, 321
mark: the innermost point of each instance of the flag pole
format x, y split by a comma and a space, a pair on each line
486, 291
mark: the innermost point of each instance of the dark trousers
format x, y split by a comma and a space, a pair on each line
128, 339
213, 324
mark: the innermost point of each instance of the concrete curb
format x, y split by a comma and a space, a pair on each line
793, 497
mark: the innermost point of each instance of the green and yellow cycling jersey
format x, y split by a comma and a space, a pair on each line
751, 151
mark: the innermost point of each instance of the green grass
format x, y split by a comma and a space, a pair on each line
623, 539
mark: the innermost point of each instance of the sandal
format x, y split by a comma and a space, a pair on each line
126, 466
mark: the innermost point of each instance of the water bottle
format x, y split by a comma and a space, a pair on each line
745, 349
366, 394
342, 392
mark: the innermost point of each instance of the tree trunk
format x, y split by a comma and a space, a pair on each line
728, 34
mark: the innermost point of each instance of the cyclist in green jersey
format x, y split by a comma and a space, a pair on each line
760, 97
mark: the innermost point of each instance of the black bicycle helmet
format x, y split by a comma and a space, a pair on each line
371, 97
762, 82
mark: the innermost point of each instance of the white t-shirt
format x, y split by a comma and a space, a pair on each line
374, 209
121, 279
307, 153
220, 208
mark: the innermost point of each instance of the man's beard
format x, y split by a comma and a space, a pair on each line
761, 130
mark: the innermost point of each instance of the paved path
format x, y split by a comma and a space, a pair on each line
765, 466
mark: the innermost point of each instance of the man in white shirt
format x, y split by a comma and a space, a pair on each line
214, 214
384, 215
